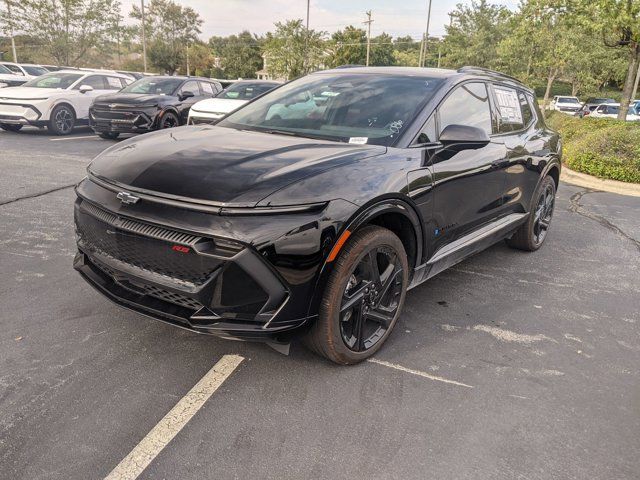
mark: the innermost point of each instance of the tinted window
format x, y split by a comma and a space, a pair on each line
467, 105
245, 91
95, 81
428, 132
344, 107
190, 86
527, 113
35, 71
4, 70
509, 113
14, 68
54, 80
154, 85
114, 83
207, 88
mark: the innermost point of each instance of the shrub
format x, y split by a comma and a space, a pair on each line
602, 147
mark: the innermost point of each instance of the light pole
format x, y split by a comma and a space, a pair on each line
144, 38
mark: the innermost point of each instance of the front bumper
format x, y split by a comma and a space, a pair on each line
20, 114
204, 118
105, 120
204, 284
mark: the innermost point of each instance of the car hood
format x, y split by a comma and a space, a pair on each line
217, 105
133, 98
24, 93
221, 165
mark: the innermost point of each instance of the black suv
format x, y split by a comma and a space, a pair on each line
151, 103
314, 208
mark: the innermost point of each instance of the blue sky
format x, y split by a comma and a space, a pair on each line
400, 17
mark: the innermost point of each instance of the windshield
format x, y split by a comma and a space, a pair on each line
353, 108
35, 71
154, 85
13, 68
54, 80
245, 91
568, 100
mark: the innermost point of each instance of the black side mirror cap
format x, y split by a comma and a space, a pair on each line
463, 137
186, 94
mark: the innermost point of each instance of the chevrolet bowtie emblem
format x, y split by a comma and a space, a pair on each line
127, 198
112, 105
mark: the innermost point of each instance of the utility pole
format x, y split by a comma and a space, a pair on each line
368, 23
306, 41
423, 56
13, 41
144, 38
188, 69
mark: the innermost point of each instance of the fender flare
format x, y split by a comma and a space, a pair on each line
163, 112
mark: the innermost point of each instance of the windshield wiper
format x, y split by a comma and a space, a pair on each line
301, 135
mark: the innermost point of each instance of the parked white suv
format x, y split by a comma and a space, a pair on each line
10, 79
570, 105
27, 70
56, 100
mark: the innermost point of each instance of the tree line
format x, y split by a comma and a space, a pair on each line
589, 45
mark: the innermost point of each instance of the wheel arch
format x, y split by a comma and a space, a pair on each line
65, 103
393, 213
165, 110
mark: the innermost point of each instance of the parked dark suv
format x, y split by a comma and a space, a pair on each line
314, 208
150, 103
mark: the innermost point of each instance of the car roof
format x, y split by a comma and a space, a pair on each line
181, 77
463, 73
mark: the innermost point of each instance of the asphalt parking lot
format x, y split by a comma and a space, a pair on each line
511, 365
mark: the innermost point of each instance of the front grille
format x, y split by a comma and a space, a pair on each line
142, 245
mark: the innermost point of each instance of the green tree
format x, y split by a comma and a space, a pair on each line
292, 51
240, 55
618, 21
474, 34
169, 28
68, 31
381, 53
349, 47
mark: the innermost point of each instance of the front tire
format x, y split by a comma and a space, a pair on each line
532, 234
363, 297
62, 120
10, 127
169, 120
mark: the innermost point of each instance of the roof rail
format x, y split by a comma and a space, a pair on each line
470, 68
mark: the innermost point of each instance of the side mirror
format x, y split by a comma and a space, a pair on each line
463, 137
186, 94
85, 88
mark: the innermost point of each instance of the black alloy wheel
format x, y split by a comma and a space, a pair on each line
10, 127
363, 297
62, 120
169, 120
532, 234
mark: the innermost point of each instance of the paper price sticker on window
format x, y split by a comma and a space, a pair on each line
508, 105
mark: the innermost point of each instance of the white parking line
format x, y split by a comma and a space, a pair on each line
160, 435
93, 137
417, 372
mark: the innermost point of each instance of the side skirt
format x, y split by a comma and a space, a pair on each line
468, 245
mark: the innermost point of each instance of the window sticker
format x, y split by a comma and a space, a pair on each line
359, 140
508, 105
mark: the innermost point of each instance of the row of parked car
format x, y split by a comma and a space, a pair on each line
116, 102
594, 107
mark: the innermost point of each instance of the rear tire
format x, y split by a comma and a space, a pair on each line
532, 234
109, 135
62, 120
362, 299
10, 127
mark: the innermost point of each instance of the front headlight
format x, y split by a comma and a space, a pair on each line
2, 85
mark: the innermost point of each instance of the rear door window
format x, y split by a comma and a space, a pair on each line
95, 81
468, 105
508, 103
207, 88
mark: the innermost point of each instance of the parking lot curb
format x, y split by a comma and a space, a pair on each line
588, 181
